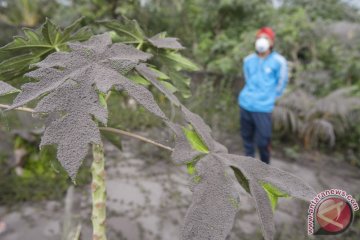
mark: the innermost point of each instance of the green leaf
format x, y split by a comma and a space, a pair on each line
195, 141
6, 89
244, 182
191, 168
181, 61
81, 35
138, 79
69, 30
17, 66
127, 30
50, 32
169, 86
17, 56
160, 74
273, 194
182, 83
102, 99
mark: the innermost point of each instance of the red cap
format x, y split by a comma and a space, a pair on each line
266, 31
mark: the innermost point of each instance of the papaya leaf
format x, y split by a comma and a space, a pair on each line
138, 79
169, 86
164, 49
191, 168
128, 31
102, 66
181, 82
6, 89
200, 127
152, 77
17, 56
160, 41
195, 141
263, 209
244, 182
68, 84
273, 194
179, 61
183, 152
277, 184
285, 182
160, 75
73, 132
177, 72
212, 211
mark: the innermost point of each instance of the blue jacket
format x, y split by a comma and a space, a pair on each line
265, 81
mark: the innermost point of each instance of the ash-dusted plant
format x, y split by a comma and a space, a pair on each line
71, 89
6, 88
317, 120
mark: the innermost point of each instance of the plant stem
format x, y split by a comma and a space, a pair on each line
144, 139
140, 45
98, 193
24, 109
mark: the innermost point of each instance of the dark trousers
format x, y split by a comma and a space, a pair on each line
256, 131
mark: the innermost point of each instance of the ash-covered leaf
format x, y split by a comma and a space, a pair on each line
257, 173
75, 129
274, 194
263, 208
195, 141
142, 95
102, 65
151, 76
160, 41
50, 79
6, 89
165, 50
285, 182
73, 97
253, 174
183, 152
69, 83
215, 203
200, 127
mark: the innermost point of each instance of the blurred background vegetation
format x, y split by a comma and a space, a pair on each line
320, 110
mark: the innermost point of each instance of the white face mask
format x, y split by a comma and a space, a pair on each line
262, 45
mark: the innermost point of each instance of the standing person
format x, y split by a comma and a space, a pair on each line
266, 76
